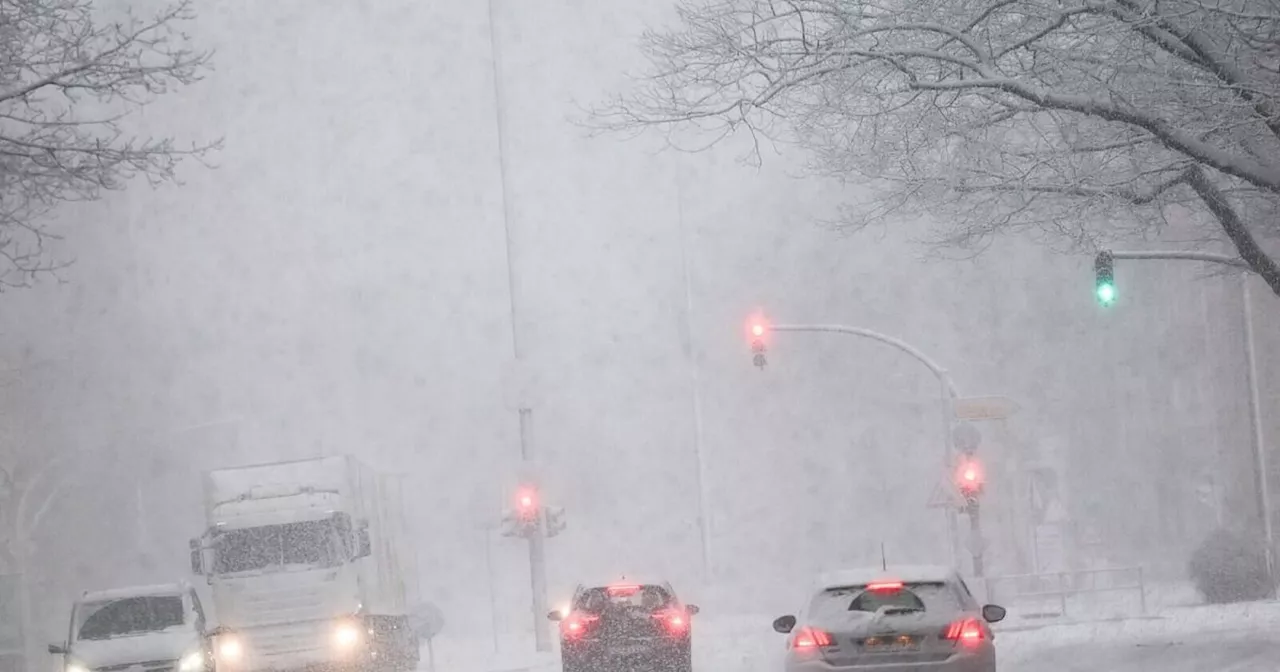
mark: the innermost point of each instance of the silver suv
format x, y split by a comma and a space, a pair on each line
908, 618
152, 628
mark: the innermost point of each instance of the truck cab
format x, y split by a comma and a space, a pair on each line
290, 570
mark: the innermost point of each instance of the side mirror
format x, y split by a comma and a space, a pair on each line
692, 609
57, 649
555, 615
992, 613
784, 624
366, 546
219, 631
197, 557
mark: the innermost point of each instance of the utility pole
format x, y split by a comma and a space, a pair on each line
1102, 266
695, 387
536, 538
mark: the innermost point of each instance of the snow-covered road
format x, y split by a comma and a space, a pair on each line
1244, 652
1218, 638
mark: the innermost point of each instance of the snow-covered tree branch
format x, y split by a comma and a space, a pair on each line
1085, 119
67, 80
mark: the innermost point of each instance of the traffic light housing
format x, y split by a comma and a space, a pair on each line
970, 478
527, 504
757, 336
1104, 278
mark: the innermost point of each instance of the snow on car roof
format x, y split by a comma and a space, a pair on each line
863, 576
134, 591
626, 580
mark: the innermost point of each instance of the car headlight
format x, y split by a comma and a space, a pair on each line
76, 667
229, 648
192, 662
346, 635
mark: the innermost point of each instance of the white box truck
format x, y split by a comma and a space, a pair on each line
309, 567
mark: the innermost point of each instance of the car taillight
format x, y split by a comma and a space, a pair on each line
967, 631
675, 621
575, 625
808, 638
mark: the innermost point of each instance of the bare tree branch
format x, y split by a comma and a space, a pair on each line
1081, 119
68, 79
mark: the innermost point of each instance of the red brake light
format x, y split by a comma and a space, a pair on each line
884, 586
968, 631
811, 638
575, 624
676, 622
622, 590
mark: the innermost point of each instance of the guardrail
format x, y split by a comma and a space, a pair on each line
1060, 586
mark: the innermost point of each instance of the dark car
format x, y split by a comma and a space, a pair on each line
907, 620
626, 625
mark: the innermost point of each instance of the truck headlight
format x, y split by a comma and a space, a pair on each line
192, 662
229, 648
75, 667
346, 635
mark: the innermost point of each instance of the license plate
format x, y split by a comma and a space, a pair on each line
630, 649
890, 645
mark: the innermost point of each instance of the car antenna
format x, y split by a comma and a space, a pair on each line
884, 563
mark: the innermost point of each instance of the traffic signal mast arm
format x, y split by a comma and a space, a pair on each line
1104, 266
758, 330
1184, 256
933, 366
1259, 443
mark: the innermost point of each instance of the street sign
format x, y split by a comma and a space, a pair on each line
945, 496
984, 408
427, 620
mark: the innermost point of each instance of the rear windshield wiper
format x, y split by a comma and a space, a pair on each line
896, 611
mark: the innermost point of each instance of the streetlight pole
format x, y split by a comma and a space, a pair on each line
537, 540
695, 387
1259, 439
1262, 482
949, 395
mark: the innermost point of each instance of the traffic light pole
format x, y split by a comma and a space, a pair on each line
1262, 482
537, 539
949, 394
975, 538
536, 536
948, 446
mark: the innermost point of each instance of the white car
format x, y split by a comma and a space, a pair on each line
903, 619
141, 629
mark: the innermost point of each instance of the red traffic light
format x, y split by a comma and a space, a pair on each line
969, 477
757, 330
526, 501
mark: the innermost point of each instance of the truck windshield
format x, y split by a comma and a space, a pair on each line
312, 543
128, 616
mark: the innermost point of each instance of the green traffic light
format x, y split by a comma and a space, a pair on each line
1106, 294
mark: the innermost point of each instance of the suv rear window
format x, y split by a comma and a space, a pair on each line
922, 596
600, 599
